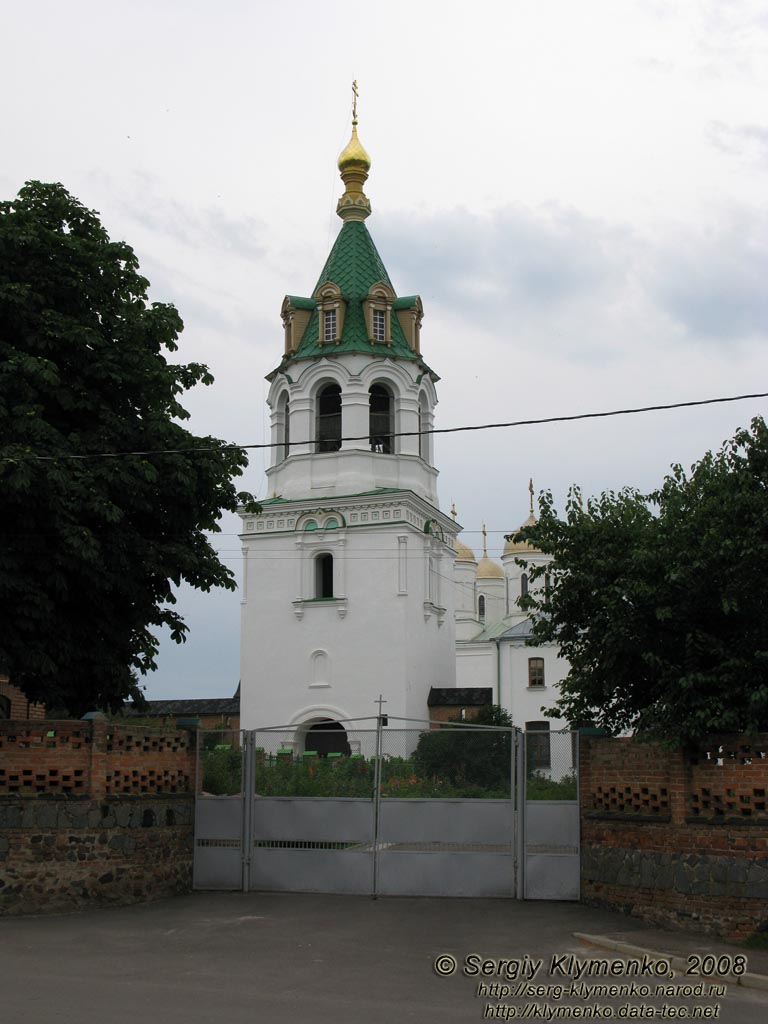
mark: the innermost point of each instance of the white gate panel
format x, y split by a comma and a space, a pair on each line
218, 856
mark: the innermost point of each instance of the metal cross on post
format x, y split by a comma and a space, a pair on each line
354, 102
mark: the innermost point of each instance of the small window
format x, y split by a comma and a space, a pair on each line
329, 419
331, 524
535, 671
324, 576
524, 584
285, 426
379, 325
537, 749
310, 525
481, 608
329, 325
5, 707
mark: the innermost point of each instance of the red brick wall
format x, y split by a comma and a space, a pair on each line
20, 706
679, 839
93, 813
94, 759
443, 713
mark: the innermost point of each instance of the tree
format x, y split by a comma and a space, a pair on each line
93, 540
659, 601
467, 756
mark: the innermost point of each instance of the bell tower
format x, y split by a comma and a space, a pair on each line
347, 588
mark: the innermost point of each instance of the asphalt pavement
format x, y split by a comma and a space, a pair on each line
257, 957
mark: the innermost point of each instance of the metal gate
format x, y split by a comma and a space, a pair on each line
398, 808
551, 824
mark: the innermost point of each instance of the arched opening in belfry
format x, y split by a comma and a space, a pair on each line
381, 424
328, 432
327, 737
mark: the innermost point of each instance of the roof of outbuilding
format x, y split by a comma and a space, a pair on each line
459, 696
193, 708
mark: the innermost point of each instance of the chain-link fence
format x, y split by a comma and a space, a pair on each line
551, 761
220, 762
346, 760
340, 760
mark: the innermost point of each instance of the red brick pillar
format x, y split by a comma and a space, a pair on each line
100, 729
679, 784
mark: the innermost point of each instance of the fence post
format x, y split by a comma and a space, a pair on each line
248, 788
377, 804
520, 771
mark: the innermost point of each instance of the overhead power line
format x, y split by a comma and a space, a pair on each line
404, 433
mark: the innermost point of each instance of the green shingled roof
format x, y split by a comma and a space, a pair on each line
354, 265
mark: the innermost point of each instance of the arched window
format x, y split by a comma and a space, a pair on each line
381, 427
423, 427
320, 671
481, 608
5, 707
324, 576
524, 584
328, 435
311, 524
285, 427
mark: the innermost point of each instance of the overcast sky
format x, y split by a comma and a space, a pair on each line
578, 192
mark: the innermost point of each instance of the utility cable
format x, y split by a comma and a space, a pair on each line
404, 433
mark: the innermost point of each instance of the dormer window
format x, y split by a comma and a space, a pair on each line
330, 306
409, 312
377, 309
379, 325
296, 313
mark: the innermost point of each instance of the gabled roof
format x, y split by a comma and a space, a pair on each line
194, 708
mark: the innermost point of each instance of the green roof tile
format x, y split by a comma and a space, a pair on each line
354, 265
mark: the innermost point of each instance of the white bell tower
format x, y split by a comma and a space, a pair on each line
347, 589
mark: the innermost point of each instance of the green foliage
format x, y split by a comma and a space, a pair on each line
92, 546
539, 787
222, 771
341, 776
469, 757
659, 601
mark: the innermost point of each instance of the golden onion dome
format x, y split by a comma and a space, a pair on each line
522, 547
354, 155
488, 570
463, 553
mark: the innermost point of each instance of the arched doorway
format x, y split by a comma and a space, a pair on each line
327, 737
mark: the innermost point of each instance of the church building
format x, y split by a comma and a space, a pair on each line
354, 583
